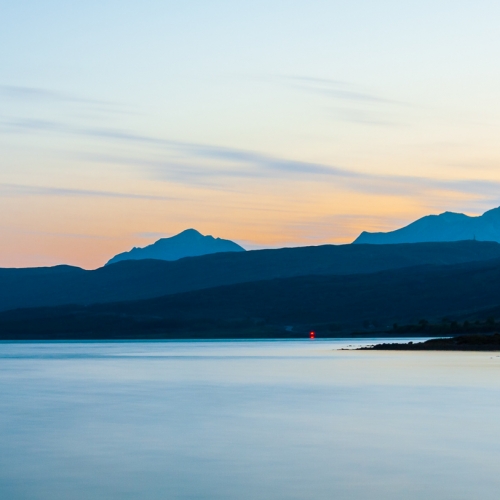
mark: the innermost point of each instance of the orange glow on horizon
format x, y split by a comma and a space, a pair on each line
88, 231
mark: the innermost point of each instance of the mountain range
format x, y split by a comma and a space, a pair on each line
445, 227
188, 243
192, 286
285, 307
448, 226
144, 279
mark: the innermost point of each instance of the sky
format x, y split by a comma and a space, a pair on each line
271, 123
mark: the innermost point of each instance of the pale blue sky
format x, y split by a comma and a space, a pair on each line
271, 123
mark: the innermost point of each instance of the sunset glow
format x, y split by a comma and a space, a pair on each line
234, 120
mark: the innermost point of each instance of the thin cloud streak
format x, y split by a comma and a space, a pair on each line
39, 94
254, 165
350, 103
363, 117
66, 235
336, 89
191, 149
25, 190
30, 125
40, 97
233, 163
36, 94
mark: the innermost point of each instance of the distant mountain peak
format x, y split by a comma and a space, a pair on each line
188, 243
448, 226
189, 232
494, 212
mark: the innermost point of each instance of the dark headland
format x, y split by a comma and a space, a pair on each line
474, 342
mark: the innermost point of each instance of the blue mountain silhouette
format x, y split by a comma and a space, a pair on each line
448, 226
189, 243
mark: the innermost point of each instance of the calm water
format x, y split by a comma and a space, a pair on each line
246, 420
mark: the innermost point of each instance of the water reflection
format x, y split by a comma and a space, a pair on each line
246, 420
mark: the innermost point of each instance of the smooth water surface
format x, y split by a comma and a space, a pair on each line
246, 420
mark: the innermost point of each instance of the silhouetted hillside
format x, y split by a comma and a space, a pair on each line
133, 280
279, 307
189, 243
448, 226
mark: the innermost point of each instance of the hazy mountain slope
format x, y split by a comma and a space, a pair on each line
189, 243
448, 226
326, 303
131, 280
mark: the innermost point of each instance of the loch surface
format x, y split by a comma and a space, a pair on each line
246, 420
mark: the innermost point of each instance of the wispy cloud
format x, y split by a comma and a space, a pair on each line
35, 94
336, 89
40, 98
30, 125
242, 163
195, 163
257, 164
150, 235
364, 117
349, 102
201, 162
57, 234
26, 190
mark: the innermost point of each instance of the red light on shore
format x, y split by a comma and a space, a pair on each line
311, 335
